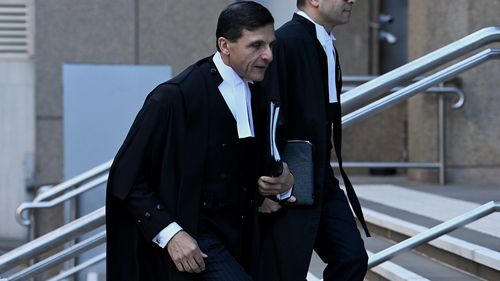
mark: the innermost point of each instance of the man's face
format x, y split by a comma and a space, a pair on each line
251, 54
335, 12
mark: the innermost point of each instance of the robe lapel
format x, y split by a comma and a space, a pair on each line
201, 83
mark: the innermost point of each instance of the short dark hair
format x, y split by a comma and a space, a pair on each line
241, 15
300, 3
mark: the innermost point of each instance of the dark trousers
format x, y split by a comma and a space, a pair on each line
338, 242
220, 265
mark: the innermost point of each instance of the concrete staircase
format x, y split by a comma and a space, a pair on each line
396, 212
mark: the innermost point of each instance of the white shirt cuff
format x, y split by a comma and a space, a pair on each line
285, 195
166, 234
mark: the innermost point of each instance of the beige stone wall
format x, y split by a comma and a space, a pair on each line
473, 133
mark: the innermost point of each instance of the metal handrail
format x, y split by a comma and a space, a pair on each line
26, 206
52, 239
60, 257
417, 87
80, 184
368, 91
434, 232
75, 181
65, 274
432, 90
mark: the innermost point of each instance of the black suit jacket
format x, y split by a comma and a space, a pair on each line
156, 177
298, 78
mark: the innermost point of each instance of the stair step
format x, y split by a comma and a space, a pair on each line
392, 213
383, 272
409, 266
475, 237
412, 266
470, 257
437, 207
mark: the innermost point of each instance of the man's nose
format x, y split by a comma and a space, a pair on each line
268, 54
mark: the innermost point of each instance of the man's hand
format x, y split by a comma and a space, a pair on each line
269, 206
185, 253
272, 186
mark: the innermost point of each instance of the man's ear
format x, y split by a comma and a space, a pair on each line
223, 44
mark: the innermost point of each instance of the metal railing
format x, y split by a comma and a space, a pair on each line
441, 90
59, 193
434, 232
408, 91
51, 240
359, 96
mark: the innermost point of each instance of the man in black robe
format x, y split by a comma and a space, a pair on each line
306, 77
182, 190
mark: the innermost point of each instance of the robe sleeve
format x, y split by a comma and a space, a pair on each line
134, 175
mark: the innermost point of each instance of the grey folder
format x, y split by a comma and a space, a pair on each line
298, 156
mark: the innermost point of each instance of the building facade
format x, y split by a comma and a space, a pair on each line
177, 33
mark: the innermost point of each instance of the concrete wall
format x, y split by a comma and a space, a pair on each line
17, 144
177, 33
109, 32
473, 133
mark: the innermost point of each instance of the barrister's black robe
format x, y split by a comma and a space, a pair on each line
156, 177
298, 79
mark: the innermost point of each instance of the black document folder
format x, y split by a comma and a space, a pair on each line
298, 155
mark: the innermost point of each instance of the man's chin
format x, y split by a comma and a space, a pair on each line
258, 76
258, 79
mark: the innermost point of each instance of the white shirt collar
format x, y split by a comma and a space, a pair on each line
226, 72
237, 96
321, 33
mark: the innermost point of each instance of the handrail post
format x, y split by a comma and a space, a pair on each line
442, 140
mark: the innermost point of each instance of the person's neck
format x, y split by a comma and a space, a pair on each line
314, 15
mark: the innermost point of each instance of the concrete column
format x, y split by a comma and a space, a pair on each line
17, 144
473, 133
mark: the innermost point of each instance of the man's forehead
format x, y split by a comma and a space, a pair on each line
267, 30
